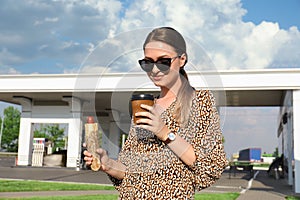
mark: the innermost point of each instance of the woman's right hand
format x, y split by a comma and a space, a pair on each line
104, 159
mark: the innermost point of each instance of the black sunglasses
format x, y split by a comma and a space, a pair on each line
163, 64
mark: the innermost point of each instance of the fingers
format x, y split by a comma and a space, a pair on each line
86, 153
101, 152
155, 109
147, 107
88, 157
88, 160
148, 114
144, 114
103, 158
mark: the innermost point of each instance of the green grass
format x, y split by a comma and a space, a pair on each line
225, 196
27, 185
218, 196
266, 165
293, 198
82, 197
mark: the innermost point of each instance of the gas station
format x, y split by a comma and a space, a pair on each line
70, 98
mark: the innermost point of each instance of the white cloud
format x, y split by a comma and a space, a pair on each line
44, 46
260, 45
7, 57
90, 70
47, 19
288, 54
54, 31
67, 31
219, 29
69, 44
8, 70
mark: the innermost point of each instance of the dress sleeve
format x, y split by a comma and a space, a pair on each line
123, 158
207, 142
116, 182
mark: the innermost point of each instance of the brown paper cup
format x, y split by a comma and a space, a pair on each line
137, 100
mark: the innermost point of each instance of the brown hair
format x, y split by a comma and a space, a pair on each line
173, 38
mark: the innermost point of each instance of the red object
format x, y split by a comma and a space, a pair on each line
90, 120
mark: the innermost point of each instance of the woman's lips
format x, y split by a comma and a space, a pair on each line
157, 78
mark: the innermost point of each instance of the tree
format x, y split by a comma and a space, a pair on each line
53, 133
276, 153
11, 126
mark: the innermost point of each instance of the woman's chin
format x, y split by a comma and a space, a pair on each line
157, 83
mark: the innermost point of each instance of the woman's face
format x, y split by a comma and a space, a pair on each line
157, 50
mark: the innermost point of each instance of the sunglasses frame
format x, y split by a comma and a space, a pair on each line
162, 66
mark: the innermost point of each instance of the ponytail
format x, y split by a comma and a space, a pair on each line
184, 99
183, 73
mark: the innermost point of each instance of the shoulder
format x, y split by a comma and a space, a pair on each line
204, 96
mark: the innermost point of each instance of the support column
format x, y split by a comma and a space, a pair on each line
25, 133
114, 135
296, 125
290, 150
75, 131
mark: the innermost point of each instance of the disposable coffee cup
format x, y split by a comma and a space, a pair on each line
137, 100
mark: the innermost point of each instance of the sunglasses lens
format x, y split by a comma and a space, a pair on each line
163, 64
146, 65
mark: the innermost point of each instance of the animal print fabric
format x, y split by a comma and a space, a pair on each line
155, 172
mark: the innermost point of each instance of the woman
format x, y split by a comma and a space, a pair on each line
177, 148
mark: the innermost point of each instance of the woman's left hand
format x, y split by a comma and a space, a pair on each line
152, 121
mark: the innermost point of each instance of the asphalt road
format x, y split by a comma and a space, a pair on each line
261, 186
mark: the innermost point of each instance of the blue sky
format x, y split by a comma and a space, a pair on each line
284, 12
56, 37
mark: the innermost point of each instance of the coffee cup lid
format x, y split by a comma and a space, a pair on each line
142, 97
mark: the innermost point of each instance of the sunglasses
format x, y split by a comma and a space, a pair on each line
163, 64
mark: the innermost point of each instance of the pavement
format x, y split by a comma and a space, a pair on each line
260, 186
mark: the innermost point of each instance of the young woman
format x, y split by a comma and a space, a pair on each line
177, 148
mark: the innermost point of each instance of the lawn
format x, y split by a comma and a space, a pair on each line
293, 198
226, 196
29, 185
86, 197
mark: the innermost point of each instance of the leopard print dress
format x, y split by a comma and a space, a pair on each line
155, 172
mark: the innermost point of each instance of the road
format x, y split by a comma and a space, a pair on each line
261, 185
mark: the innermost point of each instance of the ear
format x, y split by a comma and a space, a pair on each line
183, 60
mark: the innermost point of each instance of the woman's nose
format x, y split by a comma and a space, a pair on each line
155, 69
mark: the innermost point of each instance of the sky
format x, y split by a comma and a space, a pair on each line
86, 36
56, 36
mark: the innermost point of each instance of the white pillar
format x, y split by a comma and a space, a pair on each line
296, 124
75, 131
114, 140
114, 135
25, 133
290, 149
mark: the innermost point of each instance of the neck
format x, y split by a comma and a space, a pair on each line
167, 94
170, 92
